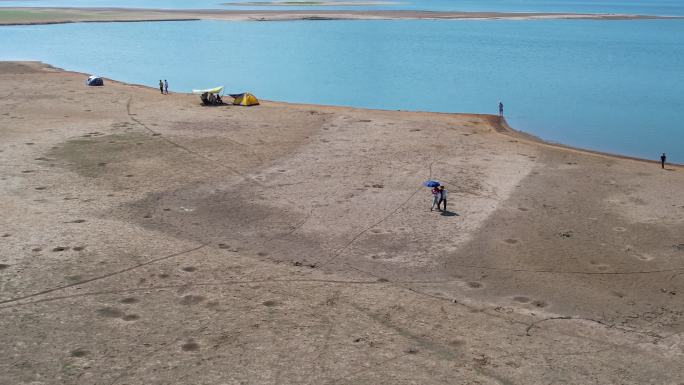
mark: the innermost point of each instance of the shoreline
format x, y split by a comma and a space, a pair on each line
10, 16
500, 125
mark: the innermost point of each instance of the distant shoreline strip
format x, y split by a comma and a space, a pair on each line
41, 15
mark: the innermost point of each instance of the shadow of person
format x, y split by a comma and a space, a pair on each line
447, 213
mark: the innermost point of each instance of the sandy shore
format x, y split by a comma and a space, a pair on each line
42, 15
146, 239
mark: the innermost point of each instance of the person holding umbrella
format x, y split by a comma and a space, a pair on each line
435, 192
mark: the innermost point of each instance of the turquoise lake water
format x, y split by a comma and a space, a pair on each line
646, 7
614, 86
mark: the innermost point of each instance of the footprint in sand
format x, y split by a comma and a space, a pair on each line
189, 269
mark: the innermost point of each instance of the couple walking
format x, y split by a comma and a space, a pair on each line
164, 87
439, 195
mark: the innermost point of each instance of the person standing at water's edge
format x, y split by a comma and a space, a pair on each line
166, 87
500, 109
663, 158
442, 197
161, 87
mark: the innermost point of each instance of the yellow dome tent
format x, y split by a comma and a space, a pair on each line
245, 99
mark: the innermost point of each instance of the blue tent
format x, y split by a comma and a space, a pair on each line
95, 81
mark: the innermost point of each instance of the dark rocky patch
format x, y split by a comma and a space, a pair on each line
79, 352
130, 317
110, 312
60, 248
128, 300
190, 346
189, 269
191, 299
270, 303
539, 303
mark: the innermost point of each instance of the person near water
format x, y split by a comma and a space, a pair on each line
166, 87
161, 87
663, 158
500, 109
435, 198
442, 197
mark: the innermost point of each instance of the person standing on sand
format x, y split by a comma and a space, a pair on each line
663, 158
442, 197
166, 87
435, 198
161, 87
500, 109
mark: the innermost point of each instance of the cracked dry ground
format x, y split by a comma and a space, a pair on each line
148, 240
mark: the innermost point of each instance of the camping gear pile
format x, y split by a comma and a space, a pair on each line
210, 96
95, 81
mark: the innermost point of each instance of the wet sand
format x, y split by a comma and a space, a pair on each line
44, 15
146, 239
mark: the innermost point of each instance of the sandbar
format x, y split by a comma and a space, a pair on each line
42, 15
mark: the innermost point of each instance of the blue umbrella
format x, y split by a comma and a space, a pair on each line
431, 183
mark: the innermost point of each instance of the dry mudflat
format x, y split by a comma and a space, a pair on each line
145, 239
